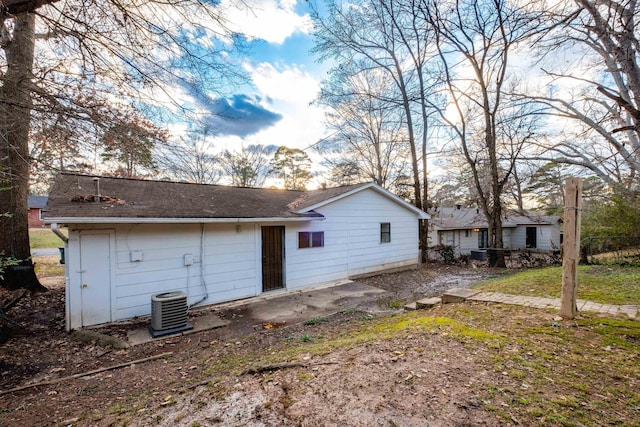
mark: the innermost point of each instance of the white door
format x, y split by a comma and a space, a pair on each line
95, 268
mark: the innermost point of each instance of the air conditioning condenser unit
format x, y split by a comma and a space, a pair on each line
169, 314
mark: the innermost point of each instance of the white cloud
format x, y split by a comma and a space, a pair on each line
290, 90
270, 20
290, 83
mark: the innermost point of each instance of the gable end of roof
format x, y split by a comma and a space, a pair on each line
362, 187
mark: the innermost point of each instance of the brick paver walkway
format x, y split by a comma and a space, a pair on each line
630, 310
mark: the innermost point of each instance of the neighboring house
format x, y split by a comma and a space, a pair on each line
466, 230
218, 243
35, 205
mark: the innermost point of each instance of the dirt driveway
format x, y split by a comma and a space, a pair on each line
390, 382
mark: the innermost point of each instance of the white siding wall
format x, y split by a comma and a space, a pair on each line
463, 241
352, 241
553, 237
547, 237
308, 266
230, 267
468, 243
507, 238
518, 237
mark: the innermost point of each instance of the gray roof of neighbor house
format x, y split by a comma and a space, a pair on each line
72, 197
466, 218
35, 202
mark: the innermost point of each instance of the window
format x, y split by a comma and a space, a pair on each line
310, 239
466, 233
385, 232
532, 238
483, 238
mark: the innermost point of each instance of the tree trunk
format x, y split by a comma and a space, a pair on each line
15, 120
496, 243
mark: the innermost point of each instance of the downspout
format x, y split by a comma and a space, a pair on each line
57, 232
202, 272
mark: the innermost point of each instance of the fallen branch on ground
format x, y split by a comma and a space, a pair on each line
14, 301
266, 368
86, 374
274, 367
283, 365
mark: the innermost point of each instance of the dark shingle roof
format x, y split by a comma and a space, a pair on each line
467, 218
72, 197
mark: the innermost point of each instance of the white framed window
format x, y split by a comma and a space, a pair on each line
385, 232
310, 239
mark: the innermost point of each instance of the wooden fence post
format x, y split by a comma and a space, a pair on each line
571, 247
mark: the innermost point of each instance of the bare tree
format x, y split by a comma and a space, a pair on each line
191, 160
394, 38
342, 172
386, 36
475, 39
368, 133
596, 100
248, 167
56, 146
84, 56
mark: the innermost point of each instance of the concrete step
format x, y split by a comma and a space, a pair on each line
457, 295
411, 306
428, 302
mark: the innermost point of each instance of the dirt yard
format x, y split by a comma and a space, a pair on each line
341, 370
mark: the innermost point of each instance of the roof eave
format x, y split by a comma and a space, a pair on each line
136, 220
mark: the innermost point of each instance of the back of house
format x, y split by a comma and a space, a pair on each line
130, 239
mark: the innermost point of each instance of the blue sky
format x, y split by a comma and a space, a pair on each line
274, 106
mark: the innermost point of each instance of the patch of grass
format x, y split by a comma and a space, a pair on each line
316, 320
44, 238
85, 390
622, 333
305, 377
447, 325
607, 285
48, 266
119, 409
390, 302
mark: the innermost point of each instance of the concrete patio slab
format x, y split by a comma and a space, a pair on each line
279, 307
201, 323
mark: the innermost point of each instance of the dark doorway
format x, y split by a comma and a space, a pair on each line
483, 238
532, 237
272, 258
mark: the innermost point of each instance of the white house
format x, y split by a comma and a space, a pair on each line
466, 230
130, 239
